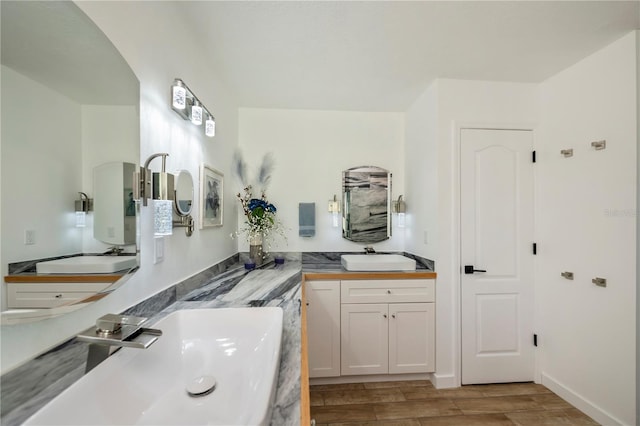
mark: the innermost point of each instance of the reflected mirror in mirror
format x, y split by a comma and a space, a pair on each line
70, 103
366, 195
184, 193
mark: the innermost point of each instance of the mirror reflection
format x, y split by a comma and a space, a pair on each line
184, 193
69, 109
366, 195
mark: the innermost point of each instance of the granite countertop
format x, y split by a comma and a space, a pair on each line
29, 387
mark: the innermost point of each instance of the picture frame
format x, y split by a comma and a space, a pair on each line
211, 197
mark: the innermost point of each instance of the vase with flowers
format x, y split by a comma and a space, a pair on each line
261, 224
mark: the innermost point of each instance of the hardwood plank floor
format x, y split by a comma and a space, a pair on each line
418, 403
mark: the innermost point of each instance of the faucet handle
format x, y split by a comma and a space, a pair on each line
112, 323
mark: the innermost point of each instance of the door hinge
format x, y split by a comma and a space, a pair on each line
535, 248
533, 156
535, 340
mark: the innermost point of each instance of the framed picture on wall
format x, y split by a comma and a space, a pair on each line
211, 197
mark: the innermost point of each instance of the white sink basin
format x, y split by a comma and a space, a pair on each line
86, 265
377, 262
239, 347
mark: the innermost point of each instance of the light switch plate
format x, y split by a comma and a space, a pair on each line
29, 237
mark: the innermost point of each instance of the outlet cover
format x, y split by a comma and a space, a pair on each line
29, 237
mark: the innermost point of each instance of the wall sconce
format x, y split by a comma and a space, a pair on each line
400, 208
334, 209
83, 206
189, 107
159, 187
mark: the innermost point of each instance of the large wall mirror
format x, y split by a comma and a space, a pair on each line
366, 210
70, 104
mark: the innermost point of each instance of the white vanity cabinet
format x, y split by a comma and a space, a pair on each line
323, 327
387, 326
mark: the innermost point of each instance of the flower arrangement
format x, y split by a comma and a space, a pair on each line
261, 223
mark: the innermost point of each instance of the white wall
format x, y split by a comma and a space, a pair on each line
44, 158
311, 149
586, 225
453, 103
159, 47
421, 172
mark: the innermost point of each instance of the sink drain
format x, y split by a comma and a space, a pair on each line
201, 386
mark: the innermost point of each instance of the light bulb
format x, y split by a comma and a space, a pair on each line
196, 113
179, 95
210, 127
81, 219
162, 217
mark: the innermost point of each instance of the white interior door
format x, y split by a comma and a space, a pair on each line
496, 240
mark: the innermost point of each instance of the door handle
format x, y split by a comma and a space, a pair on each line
468, 269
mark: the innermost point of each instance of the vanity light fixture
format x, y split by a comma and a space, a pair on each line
334, 209
83, 206
189, 107
400, 208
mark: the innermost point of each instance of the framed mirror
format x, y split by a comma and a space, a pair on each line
366, 210
70, 104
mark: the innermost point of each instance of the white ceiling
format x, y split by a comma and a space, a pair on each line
381, 55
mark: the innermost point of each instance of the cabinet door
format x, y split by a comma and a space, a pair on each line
411, 338
364, 339
323, 327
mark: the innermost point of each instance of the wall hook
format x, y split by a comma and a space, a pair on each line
567, 152
599, 145
567, 275
600, 282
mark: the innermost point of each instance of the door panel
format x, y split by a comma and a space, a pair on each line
411, 338
496, 235
323, 327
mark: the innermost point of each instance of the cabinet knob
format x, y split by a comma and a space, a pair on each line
393, 316
388, 291
307, 303
58, 296
384, 315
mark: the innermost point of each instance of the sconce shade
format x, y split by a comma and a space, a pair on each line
210, 127
162, 217
196, 113
179, 95
81, 219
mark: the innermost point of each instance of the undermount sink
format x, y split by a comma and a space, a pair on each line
238, 348
377, 262
86, 265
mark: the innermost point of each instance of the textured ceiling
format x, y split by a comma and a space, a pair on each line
381, 55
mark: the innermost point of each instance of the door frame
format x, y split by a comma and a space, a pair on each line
456, 130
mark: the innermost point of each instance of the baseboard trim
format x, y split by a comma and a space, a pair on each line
369, 378
581, 403
444, 381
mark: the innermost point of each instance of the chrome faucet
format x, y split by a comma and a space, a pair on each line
118, 331
369, 250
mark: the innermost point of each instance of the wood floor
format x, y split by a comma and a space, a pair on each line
418, 403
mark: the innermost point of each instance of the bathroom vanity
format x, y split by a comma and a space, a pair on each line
364, 326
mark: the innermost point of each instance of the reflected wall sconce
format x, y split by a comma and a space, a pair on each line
334, 209
83, 206
189, 107
400, 208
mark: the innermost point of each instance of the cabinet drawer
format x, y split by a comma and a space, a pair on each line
387, 291
38, 295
